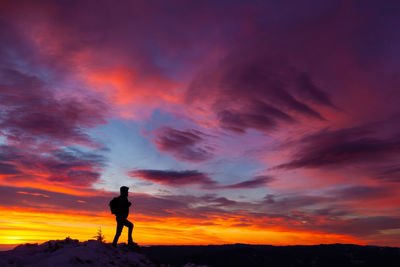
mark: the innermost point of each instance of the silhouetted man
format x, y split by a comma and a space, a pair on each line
120, 207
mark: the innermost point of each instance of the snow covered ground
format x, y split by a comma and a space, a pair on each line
70, 252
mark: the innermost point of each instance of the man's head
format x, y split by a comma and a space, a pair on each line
124, 191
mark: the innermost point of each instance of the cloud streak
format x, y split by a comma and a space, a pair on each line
357, 146
194, 177
255, 182
173, 178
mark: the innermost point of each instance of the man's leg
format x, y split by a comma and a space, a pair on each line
120, 224
130, 229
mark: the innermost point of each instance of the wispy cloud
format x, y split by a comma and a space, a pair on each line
255, 182
174, 178
185, 145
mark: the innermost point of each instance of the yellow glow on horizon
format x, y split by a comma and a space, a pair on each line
19, 226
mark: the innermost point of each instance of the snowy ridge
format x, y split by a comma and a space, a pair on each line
70, 252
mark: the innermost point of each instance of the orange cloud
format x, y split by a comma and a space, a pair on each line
126, 87
32, 194
133, 94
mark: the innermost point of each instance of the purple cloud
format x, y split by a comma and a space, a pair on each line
352, 146
270, 92
257, 115
361, 192
173, 178
194, 177
6, 168
68, 166
185, 145
255, 182
32, 112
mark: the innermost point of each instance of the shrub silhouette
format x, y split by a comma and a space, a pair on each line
99, 236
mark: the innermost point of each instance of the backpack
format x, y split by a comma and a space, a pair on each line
114, 205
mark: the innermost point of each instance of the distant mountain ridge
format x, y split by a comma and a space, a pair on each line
242, 255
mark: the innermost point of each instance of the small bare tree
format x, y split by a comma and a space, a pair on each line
99, 236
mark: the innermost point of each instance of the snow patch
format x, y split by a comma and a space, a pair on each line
70, 252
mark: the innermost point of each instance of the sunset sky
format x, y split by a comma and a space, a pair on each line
261, 122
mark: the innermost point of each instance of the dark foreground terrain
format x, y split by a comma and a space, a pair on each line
335, 255
71, 253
